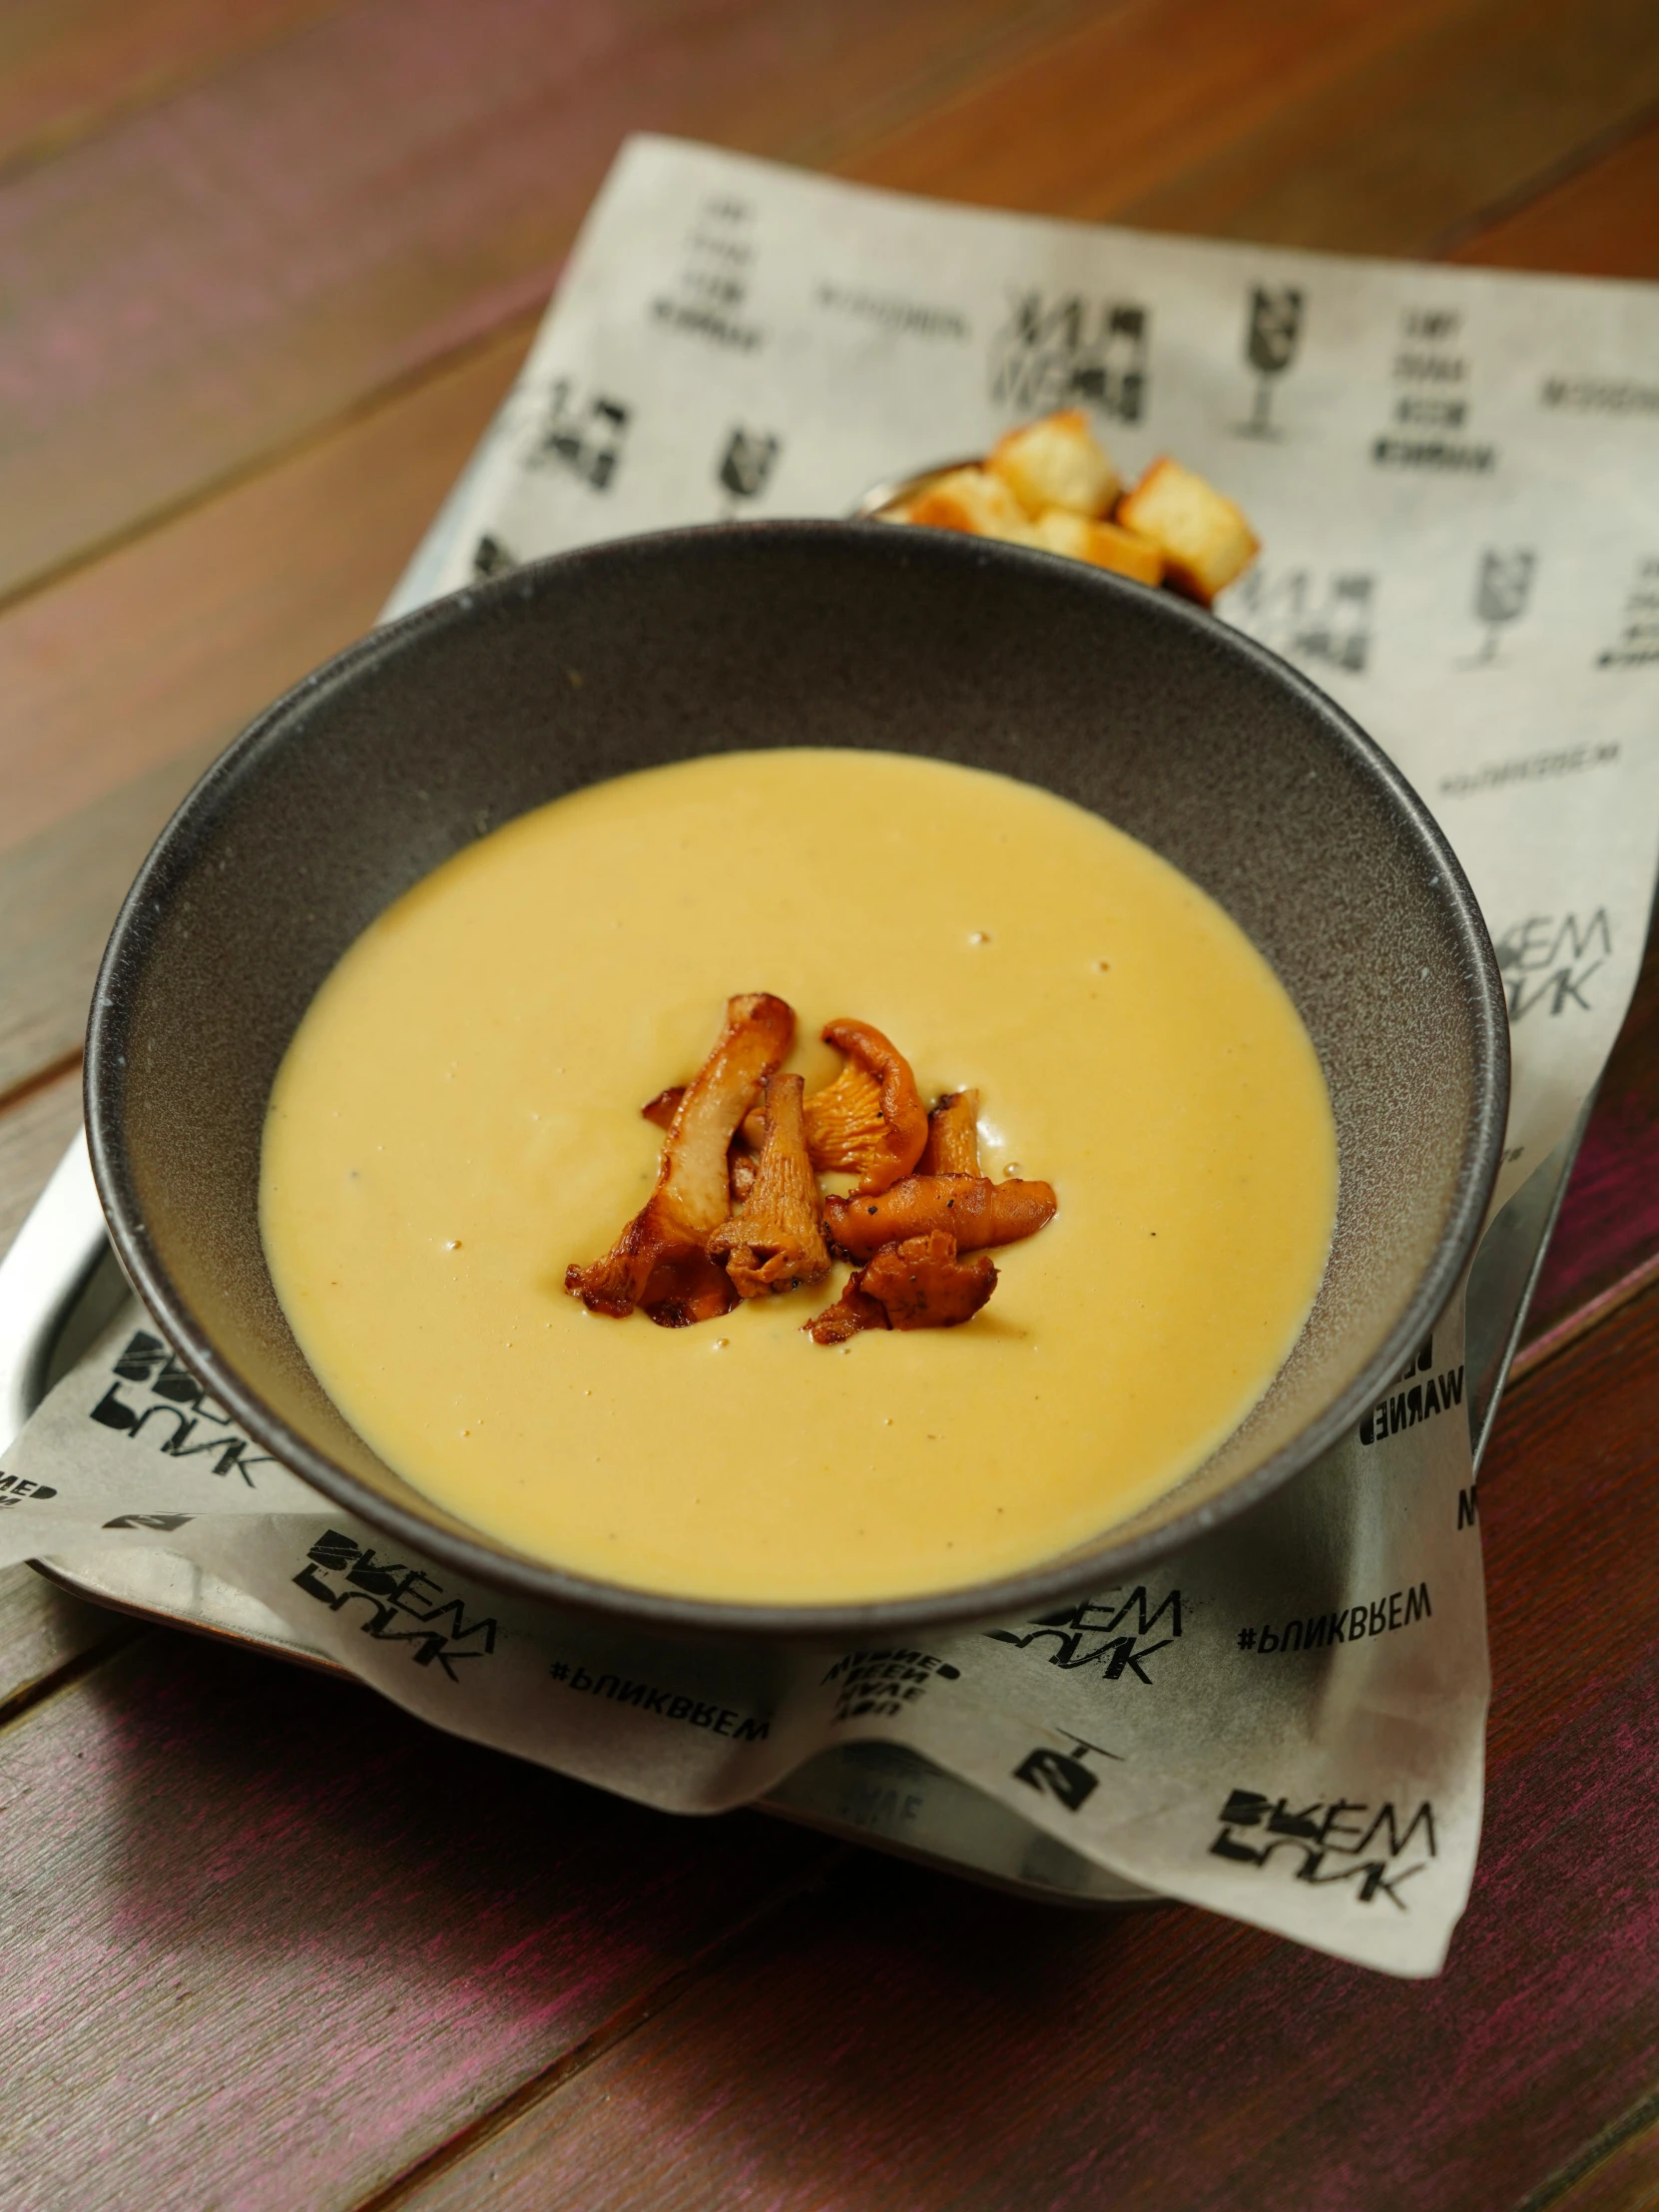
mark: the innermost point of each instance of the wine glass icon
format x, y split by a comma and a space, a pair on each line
747, 464
1502, 588
1269, 346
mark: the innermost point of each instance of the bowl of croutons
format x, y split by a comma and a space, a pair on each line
1053, 485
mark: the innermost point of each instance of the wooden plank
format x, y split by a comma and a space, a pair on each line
1134, 96
267, 1937
34, 1133
68, 67
202, 621
1356, 128
42, 1630
198, 624
1602, 221
904, 2039
58, 893
1606, 1244
1625, 2179
1400, 156
208, 280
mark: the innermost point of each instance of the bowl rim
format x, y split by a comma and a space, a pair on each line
1021, 1593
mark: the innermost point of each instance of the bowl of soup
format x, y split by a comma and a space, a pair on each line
379, 1053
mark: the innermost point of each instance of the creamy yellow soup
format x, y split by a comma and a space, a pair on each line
457, 1118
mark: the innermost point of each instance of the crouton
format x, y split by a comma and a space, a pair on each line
1101, 544
973, 500
1056, 464
1206, 542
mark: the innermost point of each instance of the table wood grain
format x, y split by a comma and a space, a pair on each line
217, 276
265, 1933
264, 1941
1606, 1246
68, 68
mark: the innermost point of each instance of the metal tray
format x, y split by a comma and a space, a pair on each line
60, 1287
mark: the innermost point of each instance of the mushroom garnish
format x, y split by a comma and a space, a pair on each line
869, 1121
851, 1311
743, 1167
917, 1283
661, 1110
740, 1162
737, 1211
925, 1285
654, 1262
972, 1209
684, 1287
777, 1241
952, 1146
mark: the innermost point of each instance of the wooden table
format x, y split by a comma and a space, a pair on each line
265, 268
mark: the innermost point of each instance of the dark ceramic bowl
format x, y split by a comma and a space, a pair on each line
1126, 701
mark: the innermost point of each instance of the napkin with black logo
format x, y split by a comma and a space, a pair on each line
1454, 475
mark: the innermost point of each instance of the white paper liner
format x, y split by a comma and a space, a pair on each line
1456, 479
